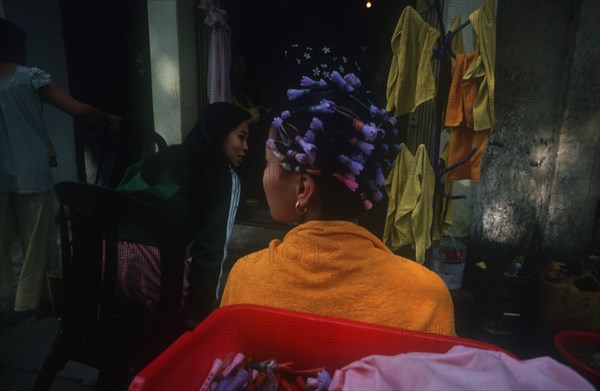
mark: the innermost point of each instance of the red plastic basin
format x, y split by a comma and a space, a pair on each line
307, 340
579, 347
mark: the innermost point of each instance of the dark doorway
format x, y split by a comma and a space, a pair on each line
108, 60
261, 33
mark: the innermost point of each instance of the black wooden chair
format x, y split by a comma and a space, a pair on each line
118, 152
97, 328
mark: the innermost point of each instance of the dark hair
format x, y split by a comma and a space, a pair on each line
213, 125
12, 43
194, 162
333, 131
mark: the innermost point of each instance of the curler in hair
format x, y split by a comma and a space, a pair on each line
309, 136
310, 149
366, 203
365, 147
277, 122
307, 147
325, 106
374, 111
316, 124
358, 157
299, 157
354, 166
368, 130
339, 80
375, 193
272, 145
349, 182
293, 94
308, 82
352, 80
379, 178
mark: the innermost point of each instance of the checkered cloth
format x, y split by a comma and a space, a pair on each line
139, 275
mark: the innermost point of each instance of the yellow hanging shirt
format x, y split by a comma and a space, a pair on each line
411, 81
410, 187
484, 27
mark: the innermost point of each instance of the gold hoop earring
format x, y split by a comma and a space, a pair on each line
300, 212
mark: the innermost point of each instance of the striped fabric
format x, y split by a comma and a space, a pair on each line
233, 206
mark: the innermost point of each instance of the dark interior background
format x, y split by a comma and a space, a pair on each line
262, 30
108, 60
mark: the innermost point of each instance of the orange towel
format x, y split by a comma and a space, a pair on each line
340, 269
459, 116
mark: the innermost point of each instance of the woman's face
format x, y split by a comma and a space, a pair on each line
280, 189
236, 144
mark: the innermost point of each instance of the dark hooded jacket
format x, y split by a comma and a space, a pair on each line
192, 183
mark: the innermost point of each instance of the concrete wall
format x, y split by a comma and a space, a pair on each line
171, 26
540, 166
164, 57
573, 201
41, 21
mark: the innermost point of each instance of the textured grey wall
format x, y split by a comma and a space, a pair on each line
541, 164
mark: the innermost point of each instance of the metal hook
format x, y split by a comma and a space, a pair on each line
452, 167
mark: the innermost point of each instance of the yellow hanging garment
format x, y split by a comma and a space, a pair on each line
411, 81
410, 187
484, 28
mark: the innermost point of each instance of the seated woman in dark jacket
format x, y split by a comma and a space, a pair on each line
196, 184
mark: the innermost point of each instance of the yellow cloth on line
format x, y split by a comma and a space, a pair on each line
484, 30
339, 269
411, 81
410, 187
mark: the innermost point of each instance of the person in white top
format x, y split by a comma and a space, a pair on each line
26, 182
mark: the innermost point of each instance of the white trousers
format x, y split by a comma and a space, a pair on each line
31, 217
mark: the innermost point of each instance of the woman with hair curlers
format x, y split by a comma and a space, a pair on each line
323, 168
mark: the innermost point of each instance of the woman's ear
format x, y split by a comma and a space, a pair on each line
305, 190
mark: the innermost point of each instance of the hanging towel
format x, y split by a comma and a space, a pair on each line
460, 117
411, 81
219, 84
484, 29
410, 187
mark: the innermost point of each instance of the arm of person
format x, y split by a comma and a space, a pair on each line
56, 96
